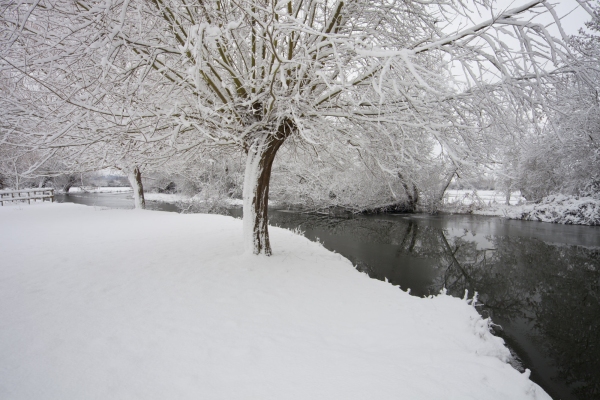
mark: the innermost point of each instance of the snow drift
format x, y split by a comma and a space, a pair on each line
106, 304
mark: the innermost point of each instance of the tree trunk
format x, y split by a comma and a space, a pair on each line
261, 154
17, 184
135, 179
71, 180
413, 197
43, 182
445, 185
440, 197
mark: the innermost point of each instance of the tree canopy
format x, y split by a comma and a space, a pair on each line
140, 82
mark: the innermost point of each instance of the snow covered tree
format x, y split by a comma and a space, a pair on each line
562, 154
168, 75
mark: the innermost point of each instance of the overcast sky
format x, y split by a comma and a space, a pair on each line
571, 23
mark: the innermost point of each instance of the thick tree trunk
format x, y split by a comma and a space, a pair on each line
261, 154
135, 179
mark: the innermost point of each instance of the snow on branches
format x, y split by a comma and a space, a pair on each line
141, 82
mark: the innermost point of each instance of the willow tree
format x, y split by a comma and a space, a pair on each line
257, 73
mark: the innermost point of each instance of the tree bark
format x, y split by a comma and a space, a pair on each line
16, 177
43, 182
440, 197
71, 180
135, 179
260, 156
446, 184
413, 197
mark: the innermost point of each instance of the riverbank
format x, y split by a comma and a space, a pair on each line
142, 304
560, 209
100, 189
177, 198
571, 210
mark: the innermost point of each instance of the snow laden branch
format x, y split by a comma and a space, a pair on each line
145, 81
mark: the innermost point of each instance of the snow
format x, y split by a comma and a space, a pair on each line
249, 194
578, 210
487, 197
240, 202
132, 304
101, 189
181, 198
170, 198
562, 209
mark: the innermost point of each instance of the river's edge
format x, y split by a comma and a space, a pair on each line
561, 209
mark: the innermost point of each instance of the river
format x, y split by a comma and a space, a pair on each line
539, 282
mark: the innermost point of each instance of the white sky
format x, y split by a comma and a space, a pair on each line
572, 17
571, 14
571, 22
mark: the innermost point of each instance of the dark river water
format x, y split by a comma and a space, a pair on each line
539, 282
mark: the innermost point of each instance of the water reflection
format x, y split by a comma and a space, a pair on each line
549, 290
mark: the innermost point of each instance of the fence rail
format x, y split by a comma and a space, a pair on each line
26, 195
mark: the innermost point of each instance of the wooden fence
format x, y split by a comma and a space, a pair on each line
26, 195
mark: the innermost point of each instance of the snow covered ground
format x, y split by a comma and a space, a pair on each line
101, 189
126, 304
170, 198
176, 198
560, 209
487, 197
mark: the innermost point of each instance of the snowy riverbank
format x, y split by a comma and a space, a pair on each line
557, 208
572, 210
102, 304
176, 198
480, 198
561, 209
100, 189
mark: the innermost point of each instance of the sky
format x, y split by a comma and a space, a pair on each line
573, 20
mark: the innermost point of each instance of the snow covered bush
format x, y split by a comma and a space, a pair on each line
561, 209
464, 202
592, 187
331, 178
206, 182
211, 201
